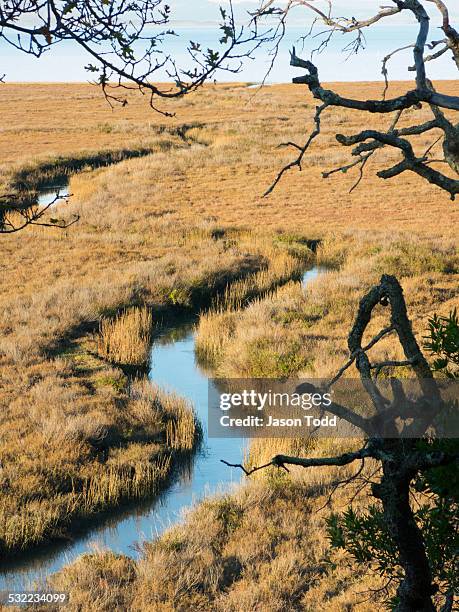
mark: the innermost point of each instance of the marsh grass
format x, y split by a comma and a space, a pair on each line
126, 339
146, 235
262, 547
131, 458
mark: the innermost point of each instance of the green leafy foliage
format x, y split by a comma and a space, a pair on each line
364, 535
442, 342
443, 480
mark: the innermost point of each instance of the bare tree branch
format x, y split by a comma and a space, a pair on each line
451, 33
423, 91
302, 149
283, 460
16, 216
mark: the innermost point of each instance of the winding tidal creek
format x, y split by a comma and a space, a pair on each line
174, 368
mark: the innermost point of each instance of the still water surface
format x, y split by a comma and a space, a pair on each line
54, 194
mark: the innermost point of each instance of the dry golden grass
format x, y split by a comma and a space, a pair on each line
91, 460
168, 230
226, 178
126, 339
304, 332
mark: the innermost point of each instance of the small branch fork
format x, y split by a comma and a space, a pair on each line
29, 214
424, 93
302, 149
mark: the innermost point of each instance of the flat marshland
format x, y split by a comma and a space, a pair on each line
168, 232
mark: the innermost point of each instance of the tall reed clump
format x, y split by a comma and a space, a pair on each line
182, 429
175, 414
215, 330
126, 338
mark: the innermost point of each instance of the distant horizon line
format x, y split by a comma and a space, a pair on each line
210, 82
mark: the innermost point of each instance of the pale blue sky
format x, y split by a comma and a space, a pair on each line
197, 19
205, 9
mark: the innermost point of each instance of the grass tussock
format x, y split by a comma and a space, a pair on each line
181, 430
105, 580
126, 339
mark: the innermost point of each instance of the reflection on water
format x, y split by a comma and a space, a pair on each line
173, 367
48, 195
258, 85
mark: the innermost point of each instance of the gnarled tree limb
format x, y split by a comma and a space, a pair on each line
422, 93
